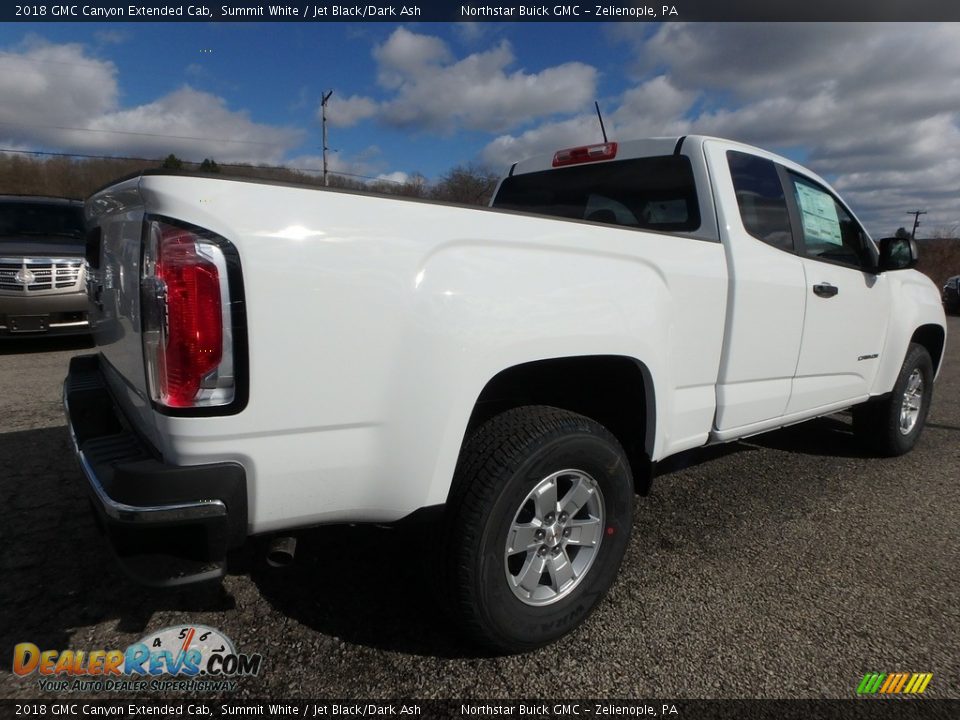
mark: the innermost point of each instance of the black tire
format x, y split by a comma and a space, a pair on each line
492, 498
878, 424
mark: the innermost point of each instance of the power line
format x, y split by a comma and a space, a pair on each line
222, 164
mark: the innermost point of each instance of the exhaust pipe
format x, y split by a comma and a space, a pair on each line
281, 551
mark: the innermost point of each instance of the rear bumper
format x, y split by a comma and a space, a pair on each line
64, 314
167, 524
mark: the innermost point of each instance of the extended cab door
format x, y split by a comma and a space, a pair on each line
848, 305
767, 292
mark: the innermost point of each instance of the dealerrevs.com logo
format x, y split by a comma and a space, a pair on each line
193, 658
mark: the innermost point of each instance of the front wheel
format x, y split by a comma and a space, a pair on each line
893, 425
539, 521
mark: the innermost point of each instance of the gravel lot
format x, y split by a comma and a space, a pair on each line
785, 566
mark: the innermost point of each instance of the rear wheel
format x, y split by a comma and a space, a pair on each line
893, 425
539, 520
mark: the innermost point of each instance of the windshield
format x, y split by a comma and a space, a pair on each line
21, 218
654, 193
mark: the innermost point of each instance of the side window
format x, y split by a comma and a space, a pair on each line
763, 207
829, 231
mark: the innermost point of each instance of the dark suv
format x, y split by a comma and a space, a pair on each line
951, 295
42, 281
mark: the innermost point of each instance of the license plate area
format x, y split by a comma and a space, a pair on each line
28, 323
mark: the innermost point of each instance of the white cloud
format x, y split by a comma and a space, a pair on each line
396, 176
429, 89
471, 32
348, 111
874, 107
651, 108
60, 96
368, 164
111, 37
45, 86
193, 124
406, 54
549, 137
434, 92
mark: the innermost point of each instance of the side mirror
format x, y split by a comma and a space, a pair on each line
897, 254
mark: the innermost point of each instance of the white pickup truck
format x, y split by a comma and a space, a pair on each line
273, 357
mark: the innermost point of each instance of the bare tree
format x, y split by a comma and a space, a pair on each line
467, 184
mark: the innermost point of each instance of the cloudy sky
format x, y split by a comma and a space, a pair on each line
875, 108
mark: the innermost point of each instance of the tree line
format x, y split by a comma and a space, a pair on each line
465, 184
72, 177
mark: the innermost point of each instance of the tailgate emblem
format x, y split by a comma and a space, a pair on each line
24, 276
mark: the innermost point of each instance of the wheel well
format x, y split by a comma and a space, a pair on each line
613, 390
932, 337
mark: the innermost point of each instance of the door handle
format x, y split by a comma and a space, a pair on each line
825, 290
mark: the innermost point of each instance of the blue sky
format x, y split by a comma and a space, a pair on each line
276, 73
873, 107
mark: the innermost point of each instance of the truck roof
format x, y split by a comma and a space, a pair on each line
646, 147
658, 147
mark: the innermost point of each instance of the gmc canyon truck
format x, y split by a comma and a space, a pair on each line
274, 357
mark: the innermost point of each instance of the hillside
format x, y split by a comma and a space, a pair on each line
939, 258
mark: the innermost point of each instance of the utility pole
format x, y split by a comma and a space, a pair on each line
916, 221
323, 116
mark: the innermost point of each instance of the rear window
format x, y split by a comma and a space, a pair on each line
20, 218
655, 193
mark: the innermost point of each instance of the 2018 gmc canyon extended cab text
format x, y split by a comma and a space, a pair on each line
276, 357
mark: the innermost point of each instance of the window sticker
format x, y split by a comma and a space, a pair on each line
820, 221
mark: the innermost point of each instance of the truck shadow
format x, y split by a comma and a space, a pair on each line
29, 345
364, 585
371, 586
823, 437
58, 575
375, 587
830, 436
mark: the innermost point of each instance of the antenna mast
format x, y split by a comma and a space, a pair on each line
600, 118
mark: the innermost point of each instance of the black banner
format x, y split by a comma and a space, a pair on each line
864, 709
320, 11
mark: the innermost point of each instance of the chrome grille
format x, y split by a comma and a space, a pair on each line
40, 275
67, 274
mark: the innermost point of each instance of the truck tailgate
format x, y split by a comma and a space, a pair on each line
115, 216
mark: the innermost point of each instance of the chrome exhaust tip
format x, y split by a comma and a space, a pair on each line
281, 551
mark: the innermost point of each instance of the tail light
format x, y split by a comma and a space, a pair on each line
584, 154
185, 311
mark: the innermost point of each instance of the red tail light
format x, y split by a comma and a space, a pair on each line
584, 154
186, 324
